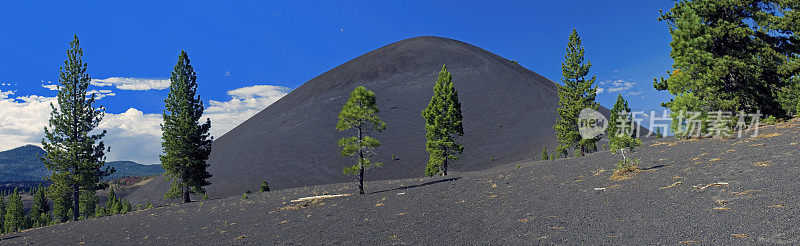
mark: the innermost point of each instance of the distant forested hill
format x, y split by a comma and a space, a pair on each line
23, 164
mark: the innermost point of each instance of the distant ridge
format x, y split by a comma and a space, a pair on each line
22, 164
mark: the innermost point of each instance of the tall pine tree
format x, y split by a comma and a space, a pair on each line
359, 114
2, 212
39, 208
443, 123
75, 154
733, 56
15, 214
186, 143
574, 95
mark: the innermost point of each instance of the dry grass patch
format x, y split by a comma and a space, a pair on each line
682, 141
624, 174
715, 184
672, 185
762, 164
301, 205
774, 134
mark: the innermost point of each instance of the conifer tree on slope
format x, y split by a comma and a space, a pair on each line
39, 208
74, 154
61, 195
186, 143
620, 113
733, 56
443, 123
359, 114
544, 153
574, 95
2, 212
15, 214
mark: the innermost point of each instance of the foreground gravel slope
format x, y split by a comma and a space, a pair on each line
568, 201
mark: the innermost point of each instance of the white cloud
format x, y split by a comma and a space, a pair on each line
99, 94
51, 87
245, 103
620, 85
635, 93
600, 90
22, 119
133, 84
5, 94
132, 135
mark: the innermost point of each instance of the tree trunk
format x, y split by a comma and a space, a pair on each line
185, 189
360, 175
186, 198
582, 149
360, 165
75, 202
444, 165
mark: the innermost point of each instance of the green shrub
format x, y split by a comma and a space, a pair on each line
770, 120
265, 186
244, 196
626, 165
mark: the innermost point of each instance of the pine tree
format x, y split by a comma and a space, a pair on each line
186, 142
39, 208
443, 125
620, 109
620, 123
544, 153
75, 155
15, 214
3, 208
61, 195
88, 203
732, 56
574, 95
359, 114
126, 206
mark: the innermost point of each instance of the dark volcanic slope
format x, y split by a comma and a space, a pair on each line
564, 202
508, 114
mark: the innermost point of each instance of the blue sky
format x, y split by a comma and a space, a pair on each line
248, 54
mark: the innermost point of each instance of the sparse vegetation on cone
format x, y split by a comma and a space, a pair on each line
359, 114
443, 123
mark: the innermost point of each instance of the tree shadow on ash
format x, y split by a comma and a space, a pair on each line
417, 185
7, 238
655, 167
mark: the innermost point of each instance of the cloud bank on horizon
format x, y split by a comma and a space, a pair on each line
132, 135
132, 84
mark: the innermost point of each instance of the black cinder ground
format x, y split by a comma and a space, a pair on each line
708, 191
